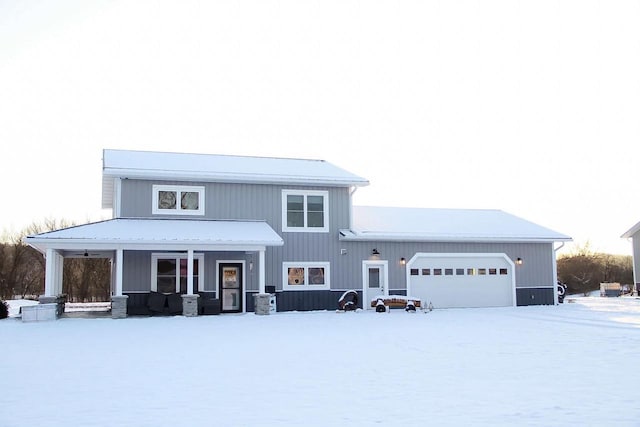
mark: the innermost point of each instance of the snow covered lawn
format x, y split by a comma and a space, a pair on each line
573, 364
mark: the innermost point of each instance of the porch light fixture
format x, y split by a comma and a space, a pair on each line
375, 252
518, 261
250, 265
86, 253
403, 261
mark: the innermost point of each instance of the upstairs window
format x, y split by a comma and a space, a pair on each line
178, 200
305, 211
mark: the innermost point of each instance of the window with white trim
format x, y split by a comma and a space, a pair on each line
305, 276
169, 272
306, 211
178, 200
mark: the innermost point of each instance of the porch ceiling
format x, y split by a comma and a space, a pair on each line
160, 234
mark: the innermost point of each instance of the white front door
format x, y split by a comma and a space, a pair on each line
374, 281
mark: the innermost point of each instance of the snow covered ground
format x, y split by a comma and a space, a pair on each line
573, 364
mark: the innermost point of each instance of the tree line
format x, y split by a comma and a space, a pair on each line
22, 269
583, 270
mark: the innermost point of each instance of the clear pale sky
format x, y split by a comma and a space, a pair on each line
531, 107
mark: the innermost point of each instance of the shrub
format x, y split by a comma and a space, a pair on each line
4, 310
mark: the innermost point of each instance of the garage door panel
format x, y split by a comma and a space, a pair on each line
494, 288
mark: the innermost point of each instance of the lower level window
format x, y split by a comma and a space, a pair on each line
305, 275
169, 272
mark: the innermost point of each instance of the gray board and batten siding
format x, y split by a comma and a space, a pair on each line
534, 281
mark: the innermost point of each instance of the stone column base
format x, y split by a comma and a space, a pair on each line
119, 306
59, 300
261, 304
190, 305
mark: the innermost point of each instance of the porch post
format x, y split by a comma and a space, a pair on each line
119, 257
118, 301
59, 260
49, 274
190, 272
261, 272
190, 300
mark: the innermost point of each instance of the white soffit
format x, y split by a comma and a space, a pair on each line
417, 224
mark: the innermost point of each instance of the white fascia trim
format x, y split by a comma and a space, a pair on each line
117, 198
234, 178
137, 246
351, 236
306, 287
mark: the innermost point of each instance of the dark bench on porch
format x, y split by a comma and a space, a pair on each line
159, 304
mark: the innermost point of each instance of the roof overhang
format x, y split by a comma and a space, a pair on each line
631, 232
159, 234
355, 236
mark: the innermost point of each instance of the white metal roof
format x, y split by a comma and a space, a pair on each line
630, 232
147, 233
219, 168
444, 225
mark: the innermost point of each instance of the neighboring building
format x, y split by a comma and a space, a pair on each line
228, 227
634, 234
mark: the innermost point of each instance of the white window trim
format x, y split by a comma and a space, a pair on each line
178, 210
177, 256
305, 193
306, 265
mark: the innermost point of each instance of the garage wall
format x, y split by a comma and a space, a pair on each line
535, 271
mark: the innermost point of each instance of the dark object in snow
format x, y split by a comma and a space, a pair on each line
380, 307
411, 307
348, 301
561, 289
4, 310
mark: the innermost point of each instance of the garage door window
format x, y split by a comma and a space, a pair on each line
503, 271
414, 271
426, 272
459, 271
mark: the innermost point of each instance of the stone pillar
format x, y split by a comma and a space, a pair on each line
119, 306
190, 305
261, 303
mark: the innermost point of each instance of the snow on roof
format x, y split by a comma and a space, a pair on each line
136, 232
416, 224
219, 168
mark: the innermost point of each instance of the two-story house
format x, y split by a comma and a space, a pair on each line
229, 227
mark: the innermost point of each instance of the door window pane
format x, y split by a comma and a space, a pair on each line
374, 277
230, 278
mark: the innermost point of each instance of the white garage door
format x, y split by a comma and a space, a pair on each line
462, 280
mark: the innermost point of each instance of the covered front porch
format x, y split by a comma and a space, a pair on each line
142, 250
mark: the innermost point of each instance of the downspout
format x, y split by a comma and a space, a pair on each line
351, 193
555, 273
